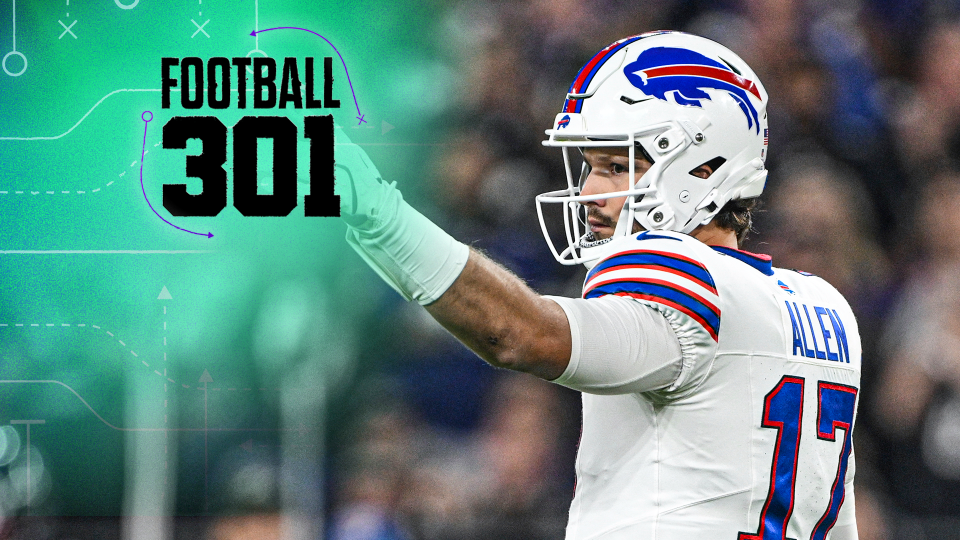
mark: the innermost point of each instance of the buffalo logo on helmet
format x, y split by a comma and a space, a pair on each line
660, 70
564, 122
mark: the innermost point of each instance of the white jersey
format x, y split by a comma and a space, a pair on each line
749, 435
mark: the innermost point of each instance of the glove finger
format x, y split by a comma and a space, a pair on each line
358, 182
350, 154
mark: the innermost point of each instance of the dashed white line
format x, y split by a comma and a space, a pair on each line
83, 325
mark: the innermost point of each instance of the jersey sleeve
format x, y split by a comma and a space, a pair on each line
618, 346
664, 271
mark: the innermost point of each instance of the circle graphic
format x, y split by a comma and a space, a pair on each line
24, 58
255, 51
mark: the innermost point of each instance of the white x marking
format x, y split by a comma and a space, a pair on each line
200, 28
66, 29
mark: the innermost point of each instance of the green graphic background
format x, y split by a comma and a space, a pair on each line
266, 306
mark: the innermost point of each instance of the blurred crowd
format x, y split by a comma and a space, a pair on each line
864, 191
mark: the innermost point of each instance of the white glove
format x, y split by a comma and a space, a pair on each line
364, 196
414, 256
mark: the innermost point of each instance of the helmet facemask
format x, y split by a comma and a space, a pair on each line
643, 204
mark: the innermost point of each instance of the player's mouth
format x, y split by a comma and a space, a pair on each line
597, 226
600, 225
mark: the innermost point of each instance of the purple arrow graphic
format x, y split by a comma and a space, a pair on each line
146, 122
360, 117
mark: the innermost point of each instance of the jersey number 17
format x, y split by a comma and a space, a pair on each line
783, 411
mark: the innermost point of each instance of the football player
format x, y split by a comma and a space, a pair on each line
719, 392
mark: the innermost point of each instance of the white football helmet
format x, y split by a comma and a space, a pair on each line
682, 101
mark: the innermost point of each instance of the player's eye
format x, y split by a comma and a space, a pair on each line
617, 168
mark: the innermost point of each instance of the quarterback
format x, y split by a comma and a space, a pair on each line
719, 392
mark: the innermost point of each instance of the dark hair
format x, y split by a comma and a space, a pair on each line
737, 216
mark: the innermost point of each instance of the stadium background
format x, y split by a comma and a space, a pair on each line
388, 428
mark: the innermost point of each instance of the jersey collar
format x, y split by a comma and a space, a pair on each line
763, 263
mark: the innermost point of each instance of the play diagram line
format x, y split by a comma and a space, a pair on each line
105, 252
95, 105
66, 192
82, 118
360, 117
154, 367
146, 123
112, 426
113, 336
14, 52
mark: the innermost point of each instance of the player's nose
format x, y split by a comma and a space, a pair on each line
594, 185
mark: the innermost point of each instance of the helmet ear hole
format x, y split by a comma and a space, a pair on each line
709, 167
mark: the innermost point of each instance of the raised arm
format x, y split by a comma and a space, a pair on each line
505, 322
481, 303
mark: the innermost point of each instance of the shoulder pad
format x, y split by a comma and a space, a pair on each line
661, 268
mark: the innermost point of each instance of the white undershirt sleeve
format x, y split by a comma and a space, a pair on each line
620, 346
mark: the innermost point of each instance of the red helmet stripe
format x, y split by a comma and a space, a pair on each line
586, 73
706, 71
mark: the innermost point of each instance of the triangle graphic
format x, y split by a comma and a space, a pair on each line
205, 377
384, 127
164, 294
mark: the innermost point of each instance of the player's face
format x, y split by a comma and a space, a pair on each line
609, 173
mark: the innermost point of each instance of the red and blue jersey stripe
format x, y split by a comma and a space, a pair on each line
667, 278
663, 261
